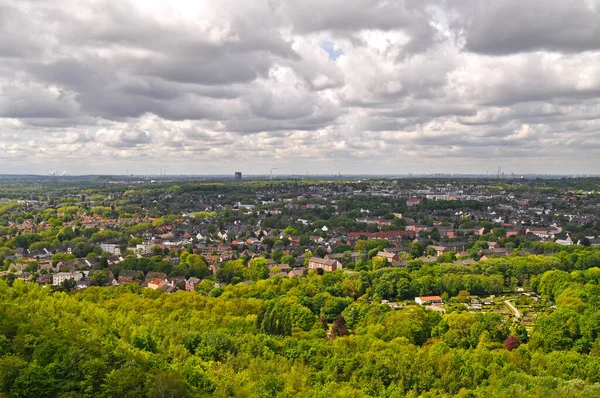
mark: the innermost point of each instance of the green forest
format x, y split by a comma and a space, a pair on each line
318, 336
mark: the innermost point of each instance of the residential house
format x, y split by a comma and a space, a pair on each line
447, 232
325, 265
489, 253
334, 256
296, 272
130, 276
144, 248
156, 283
413, 202
512, 232
439, 250
356, 256
176, 281
44, 279
191, 283
60, 277
83, 284
542, 232
468, 261
565, 242
26, 276
390, 257
478, 231
432, 300
282, 267
169, 289
593, 242
456, 247
159, 275
111, 248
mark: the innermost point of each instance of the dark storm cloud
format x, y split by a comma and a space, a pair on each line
512, 26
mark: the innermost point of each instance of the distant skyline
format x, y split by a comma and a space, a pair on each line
299, 86
289, 176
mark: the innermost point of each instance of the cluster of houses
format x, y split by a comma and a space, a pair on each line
152, 280
532, 215
396, 255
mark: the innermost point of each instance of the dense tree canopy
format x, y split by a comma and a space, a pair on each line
268, 338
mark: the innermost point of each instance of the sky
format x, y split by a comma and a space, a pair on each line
299, 86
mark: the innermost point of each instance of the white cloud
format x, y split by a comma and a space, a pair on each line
217, 86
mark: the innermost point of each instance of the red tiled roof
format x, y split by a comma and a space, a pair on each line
430, 298
382, 234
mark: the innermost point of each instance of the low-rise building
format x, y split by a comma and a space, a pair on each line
390, 257
296, 272
111, 248
156, 283
144, 248
44, 279
413, 202
191, 283
325, 265
60, 277
432, 300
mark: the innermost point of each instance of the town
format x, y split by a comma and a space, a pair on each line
175, 237
203, 236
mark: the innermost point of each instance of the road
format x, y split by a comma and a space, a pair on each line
514, 309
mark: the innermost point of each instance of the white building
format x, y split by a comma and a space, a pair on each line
565, 242
59, 278
433, 300
111, 248
144, 248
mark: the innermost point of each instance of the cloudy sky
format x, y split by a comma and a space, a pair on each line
317, 86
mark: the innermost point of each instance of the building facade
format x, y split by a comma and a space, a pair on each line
325, 265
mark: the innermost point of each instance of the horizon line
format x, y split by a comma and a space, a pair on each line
338, 175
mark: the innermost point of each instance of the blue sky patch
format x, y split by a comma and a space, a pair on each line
330, 49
